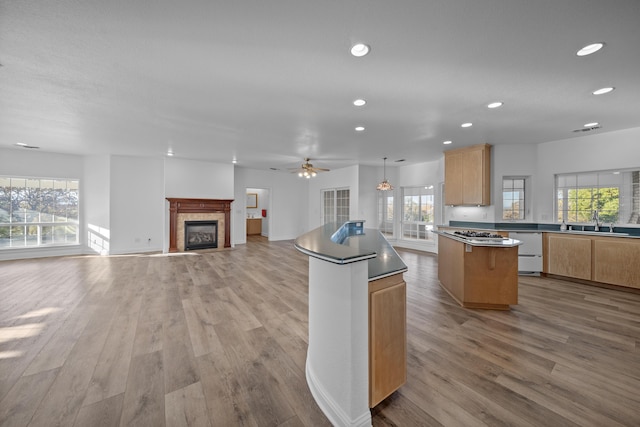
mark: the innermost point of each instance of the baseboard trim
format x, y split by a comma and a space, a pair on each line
329, 407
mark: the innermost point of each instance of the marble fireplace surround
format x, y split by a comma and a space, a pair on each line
181, 210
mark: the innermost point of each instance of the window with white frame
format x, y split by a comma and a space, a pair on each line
418, 212
513, 197
38, 212
335, 205
614, 194
385, 212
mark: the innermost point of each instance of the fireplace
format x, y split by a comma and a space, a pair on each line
183, 210
200, 235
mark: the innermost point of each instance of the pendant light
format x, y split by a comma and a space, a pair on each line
384, 185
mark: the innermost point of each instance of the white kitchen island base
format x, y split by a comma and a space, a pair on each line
337, 359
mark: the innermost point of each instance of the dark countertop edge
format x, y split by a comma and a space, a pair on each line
507, 243
391, 273
336, 260
631, 232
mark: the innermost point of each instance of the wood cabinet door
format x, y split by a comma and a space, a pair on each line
254, 226
453, 164
569, 256
473, 174
616, 261
387, 341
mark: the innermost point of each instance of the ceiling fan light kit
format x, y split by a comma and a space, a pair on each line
307, 170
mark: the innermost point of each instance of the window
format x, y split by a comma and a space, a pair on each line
38, 212
385, 212
417, 212
614, 194
513, 198
335, 205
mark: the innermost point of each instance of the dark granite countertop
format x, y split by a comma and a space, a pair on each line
623, 232
342, 244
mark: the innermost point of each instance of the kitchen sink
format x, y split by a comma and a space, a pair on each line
595, 233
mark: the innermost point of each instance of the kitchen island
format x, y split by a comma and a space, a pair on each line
357, 320
477, 271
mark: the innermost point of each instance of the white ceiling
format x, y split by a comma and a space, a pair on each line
272, 82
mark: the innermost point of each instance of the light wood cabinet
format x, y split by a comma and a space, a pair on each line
387, 337
483, 277
616, 261
602, 259
467, 175
254, 226
568, 255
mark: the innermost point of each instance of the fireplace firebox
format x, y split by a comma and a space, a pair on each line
200, 235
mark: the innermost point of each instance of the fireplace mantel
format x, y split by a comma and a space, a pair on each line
178, 206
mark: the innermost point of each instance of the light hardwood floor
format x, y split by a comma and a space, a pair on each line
220, 339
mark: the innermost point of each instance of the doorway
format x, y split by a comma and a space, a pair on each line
258, 211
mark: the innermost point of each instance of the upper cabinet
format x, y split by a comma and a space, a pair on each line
467, 175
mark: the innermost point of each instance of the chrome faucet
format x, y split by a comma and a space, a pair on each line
595, 219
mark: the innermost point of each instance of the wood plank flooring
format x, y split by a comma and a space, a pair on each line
220, 339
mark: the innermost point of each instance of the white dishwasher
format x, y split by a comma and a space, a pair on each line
529, 253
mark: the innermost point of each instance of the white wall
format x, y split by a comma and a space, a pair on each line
137, 205
35, 163
288, 207
600, 151
197, 179
337, 178
368, 179
96, 192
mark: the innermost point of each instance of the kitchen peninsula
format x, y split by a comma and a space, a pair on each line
357, 320
479, 270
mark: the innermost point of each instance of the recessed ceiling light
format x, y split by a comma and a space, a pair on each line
447, 142
359, 102
234, 161
466, 125
169, 153
603, 90
359, 49
589, 49
590, 125
21, 144
359, 128
495, 104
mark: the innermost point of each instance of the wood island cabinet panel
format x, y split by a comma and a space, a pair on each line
478, 276
568, 256
468, 175
387, 337
616, 261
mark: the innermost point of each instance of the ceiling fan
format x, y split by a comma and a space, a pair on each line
307, 170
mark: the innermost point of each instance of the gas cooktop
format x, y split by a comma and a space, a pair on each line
479, 235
